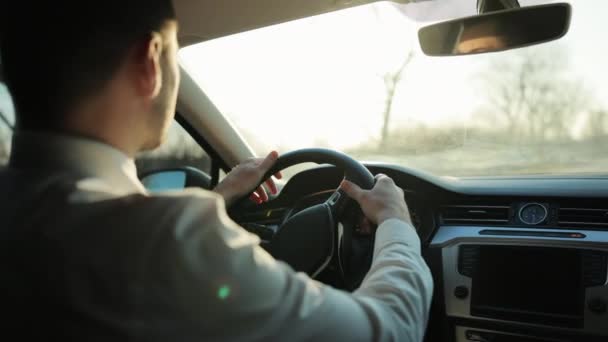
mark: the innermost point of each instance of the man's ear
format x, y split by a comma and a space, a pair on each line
148, 70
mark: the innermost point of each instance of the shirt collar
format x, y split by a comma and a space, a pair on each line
83, 157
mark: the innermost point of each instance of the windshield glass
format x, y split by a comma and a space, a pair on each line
356, 81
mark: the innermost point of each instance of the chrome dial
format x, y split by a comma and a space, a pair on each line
533, 213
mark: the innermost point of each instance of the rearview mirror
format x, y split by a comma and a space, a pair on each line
496, 31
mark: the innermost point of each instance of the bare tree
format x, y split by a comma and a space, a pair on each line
534, 94
391, 80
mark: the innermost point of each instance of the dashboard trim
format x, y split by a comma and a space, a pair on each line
583, 186
450, 235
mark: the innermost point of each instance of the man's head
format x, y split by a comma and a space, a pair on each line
104, 69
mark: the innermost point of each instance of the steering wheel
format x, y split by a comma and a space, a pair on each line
313, 239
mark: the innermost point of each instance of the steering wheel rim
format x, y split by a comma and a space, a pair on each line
294, 235
354, 171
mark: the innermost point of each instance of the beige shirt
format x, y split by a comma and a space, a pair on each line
90, 255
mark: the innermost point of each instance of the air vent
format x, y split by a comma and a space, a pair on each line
493, 215
583, 217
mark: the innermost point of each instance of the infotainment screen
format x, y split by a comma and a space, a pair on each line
531, 284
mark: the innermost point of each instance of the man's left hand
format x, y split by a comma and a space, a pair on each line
245, 177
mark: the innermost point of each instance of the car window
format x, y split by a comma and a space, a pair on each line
7, 119
179, 150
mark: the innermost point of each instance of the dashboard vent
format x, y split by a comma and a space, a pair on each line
493, 215
583, 217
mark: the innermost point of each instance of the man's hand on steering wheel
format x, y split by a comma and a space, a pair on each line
384, 201
245, 177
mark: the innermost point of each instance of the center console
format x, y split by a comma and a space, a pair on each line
521, 279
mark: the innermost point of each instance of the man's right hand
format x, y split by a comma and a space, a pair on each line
383, 202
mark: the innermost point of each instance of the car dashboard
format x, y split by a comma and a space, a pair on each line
513, 258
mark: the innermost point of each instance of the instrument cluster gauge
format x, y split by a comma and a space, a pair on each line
533, 213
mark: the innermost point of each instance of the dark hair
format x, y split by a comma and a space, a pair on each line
55, 53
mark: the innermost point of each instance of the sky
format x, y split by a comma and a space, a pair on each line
319, 81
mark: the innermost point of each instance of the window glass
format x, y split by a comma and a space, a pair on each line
179, 150
7, 120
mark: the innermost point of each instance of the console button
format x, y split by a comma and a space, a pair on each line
597, 306
467, 260
594, 268
461, 292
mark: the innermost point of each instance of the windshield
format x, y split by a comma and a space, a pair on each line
356, 81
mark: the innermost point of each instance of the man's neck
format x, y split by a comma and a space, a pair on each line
108, 139
105, 124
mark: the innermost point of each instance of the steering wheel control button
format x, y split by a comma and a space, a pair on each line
597, 306
334, 198
461, 292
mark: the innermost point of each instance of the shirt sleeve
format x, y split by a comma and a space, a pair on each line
398, 287
208, 278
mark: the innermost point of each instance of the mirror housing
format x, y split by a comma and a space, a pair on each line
496, 31
175, 179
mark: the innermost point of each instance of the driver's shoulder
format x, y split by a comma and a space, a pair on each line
190, 204
146, 210
186, 215
165, 217
184, 198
